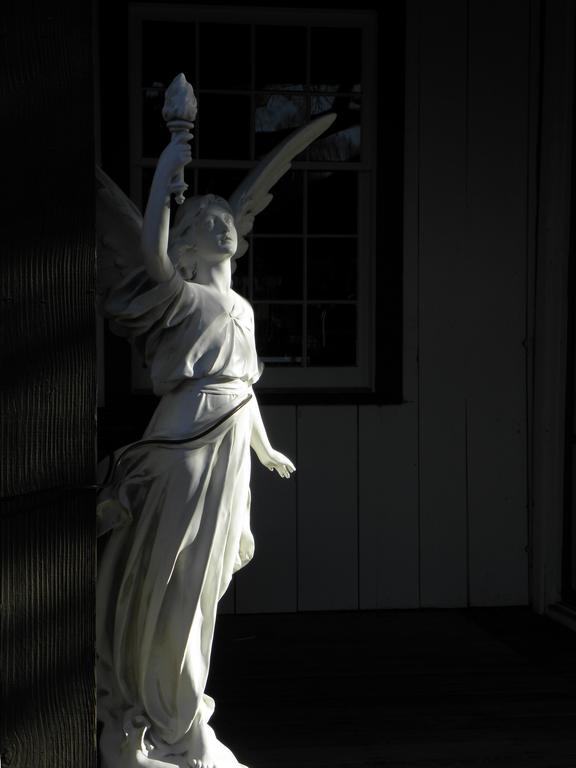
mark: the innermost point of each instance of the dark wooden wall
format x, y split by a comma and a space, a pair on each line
47, 263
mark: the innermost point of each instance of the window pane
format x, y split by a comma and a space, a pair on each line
336, 58
276, 116
320, 103
279, 333
332, 267
168, 49
223, 127
285, 214
241, 275
301, 270
331, 334
278, 268
340, 146
225, 60
280, 57
332, 202
147, 176
155, 133
219, 181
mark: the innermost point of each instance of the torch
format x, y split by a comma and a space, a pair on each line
179, 112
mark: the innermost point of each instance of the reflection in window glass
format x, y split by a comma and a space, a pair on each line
275, 117
320, 103
340, 146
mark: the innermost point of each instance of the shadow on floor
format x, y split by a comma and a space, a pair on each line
442, 688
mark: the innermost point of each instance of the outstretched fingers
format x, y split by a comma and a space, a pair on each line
285, 470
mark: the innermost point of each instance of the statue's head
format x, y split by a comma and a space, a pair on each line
203, 229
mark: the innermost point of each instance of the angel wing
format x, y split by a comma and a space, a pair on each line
253, 194
119, 222
118, 232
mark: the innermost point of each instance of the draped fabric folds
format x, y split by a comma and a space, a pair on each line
178, 514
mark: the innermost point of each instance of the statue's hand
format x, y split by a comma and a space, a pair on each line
175, 156
276, 460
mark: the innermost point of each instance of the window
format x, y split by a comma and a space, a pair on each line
259, 74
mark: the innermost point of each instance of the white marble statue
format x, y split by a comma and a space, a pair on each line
176, 504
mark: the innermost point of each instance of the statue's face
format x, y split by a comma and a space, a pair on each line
215, 235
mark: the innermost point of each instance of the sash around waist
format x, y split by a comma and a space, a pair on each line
216, 387
194, 406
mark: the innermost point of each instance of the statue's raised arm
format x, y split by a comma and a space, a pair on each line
179, 112
156, 225
177, 503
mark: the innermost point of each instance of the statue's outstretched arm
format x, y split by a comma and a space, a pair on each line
259, 441
156, 225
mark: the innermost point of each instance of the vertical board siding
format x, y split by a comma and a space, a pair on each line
269, 583
443, 336
496, 290
388, 510
411, 223
327, 508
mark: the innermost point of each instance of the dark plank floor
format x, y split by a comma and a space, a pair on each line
483, 687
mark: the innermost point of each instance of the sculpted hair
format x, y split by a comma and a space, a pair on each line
181, 239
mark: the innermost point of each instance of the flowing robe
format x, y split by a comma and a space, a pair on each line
179, 512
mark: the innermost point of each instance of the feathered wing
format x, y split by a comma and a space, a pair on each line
253, 194
118, 232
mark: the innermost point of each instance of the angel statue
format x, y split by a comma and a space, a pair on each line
176, 503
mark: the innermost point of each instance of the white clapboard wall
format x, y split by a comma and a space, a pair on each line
424, 504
